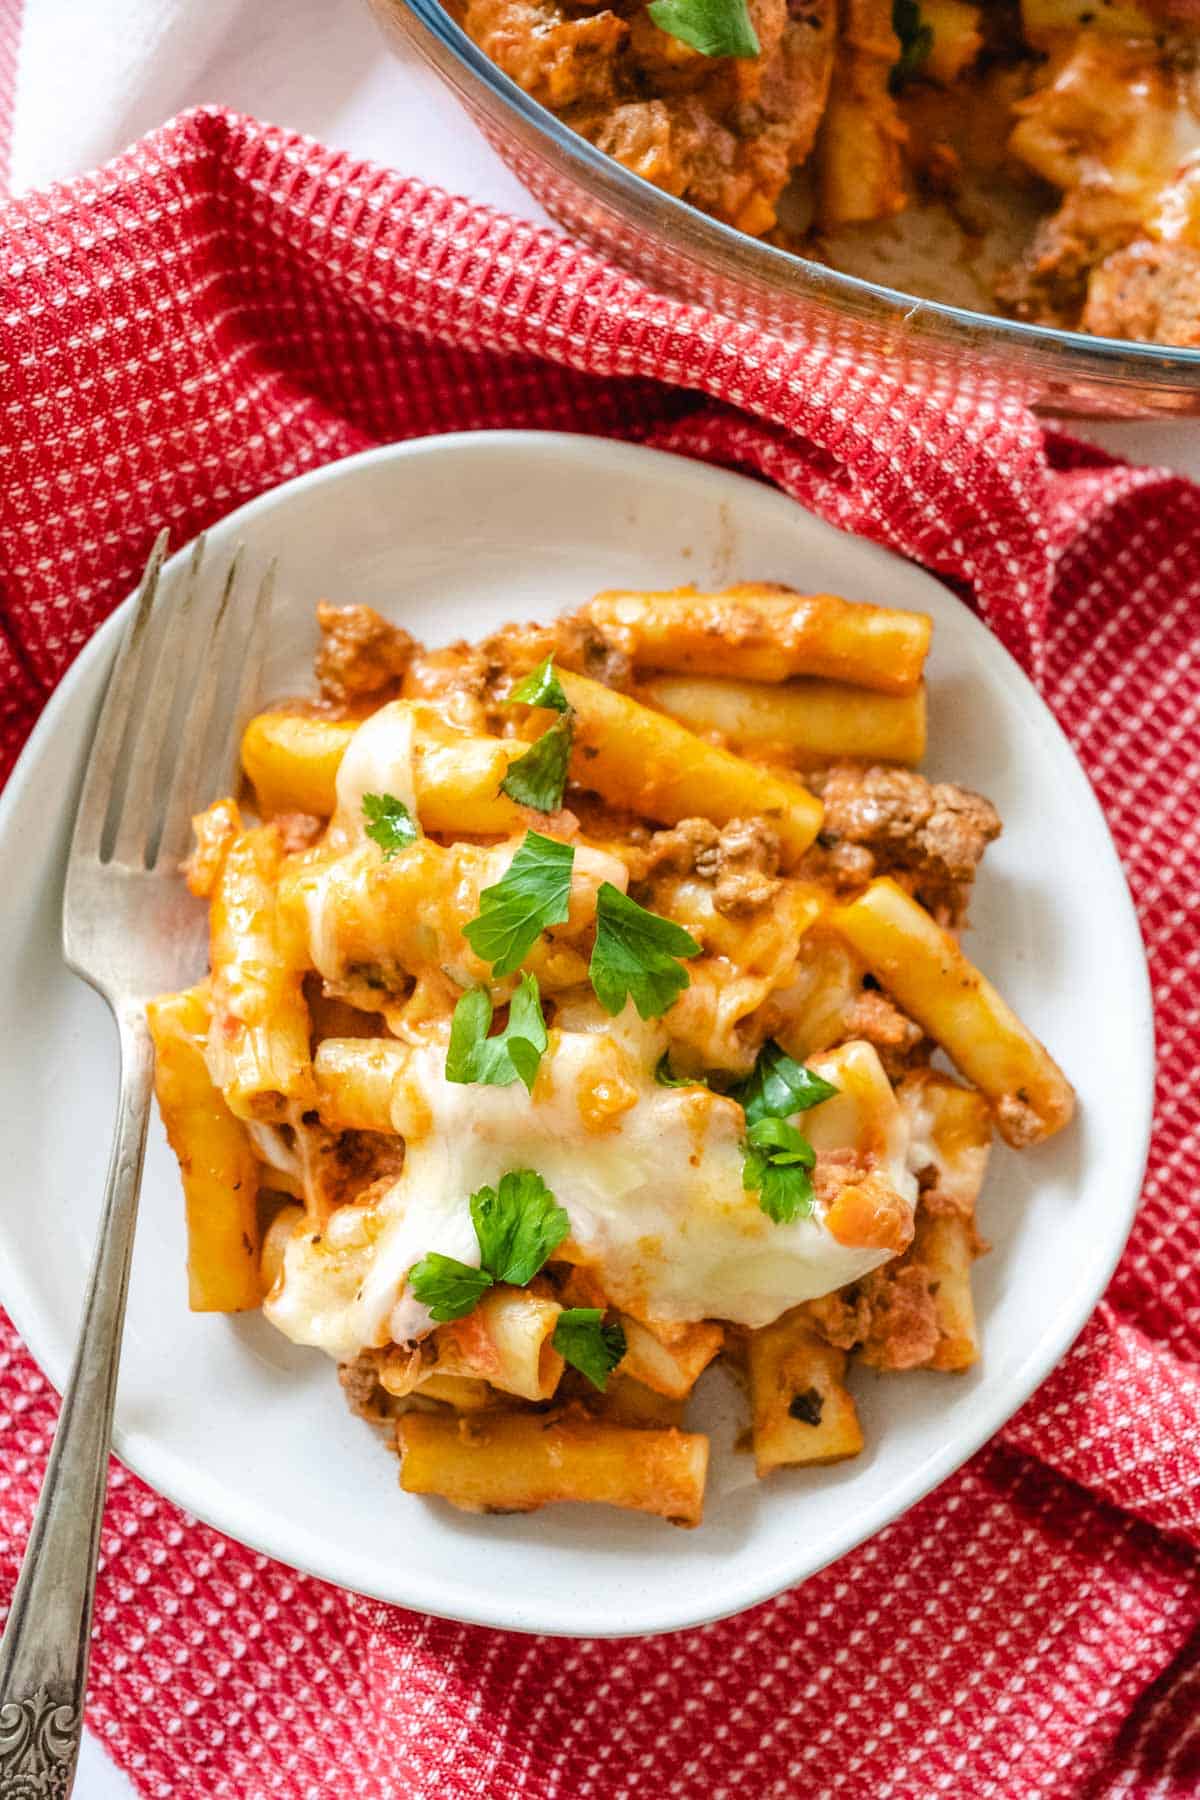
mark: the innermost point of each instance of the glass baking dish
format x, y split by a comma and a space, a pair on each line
682, 252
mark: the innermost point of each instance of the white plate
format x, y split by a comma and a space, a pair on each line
453, 536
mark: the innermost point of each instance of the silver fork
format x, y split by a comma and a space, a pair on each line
166, 742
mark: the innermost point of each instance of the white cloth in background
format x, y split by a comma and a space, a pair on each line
92, 75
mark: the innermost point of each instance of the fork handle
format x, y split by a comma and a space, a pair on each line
44, 1652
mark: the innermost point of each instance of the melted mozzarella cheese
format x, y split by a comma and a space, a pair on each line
432, 891
950, 1130
650, 1177
380, 759
864, 1115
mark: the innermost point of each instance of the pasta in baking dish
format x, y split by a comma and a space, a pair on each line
570, 1023
1040, 158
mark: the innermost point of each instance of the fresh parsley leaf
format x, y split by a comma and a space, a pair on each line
513, 1054
519, 1225
390, 823
542, 688
534, 893
714, 27
782, 1142
666, 1078
776, 1164
538, 778
582, 1339
916, 41
778, 1086
636, 954
449, 1288
784, 1194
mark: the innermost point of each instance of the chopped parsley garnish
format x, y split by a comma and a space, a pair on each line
534, 893
714, 27
916, 41
665, 1077
449, 1288
778, 1086
542, 688
538, 778
636, 955
513, 1054
390, 823
807, 1406
777, 1158
776, 1164
583, 1339
518, 1224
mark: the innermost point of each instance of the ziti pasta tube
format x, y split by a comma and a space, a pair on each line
945, 1243
956, 1123
633, 756
628, 1402
465, 1395
800, 1409
516, 1462
858, 158
275, 1241
258, 1044
220, 1173
957, 29
814, 721
669, 1362
292, 760
507, 1342
922, 967
356, 1080
1045, 20
759, 631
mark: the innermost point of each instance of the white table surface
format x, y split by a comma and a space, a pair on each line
97, 1778
317, 65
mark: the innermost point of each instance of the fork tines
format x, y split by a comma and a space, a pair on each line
184, 678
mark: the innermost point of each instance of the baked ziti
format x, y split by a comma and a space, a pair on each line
570, 1023
1034, 157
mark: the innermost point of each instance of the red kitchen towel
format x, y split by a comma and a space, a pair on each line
228, 305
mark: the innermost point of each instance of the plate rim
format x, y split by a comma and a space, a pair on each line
160, 1467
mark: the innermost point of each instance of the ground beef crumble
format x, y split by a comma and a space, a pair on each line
584, 647
364, 1158
888, 1316
1147, 290
361, 656
836, 1169
741, 859
297, 830
689, 848
347, 1165
747, 867
572, 643
903, 1331
901, 1043
1019, 1123
361, 1386
931, 833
